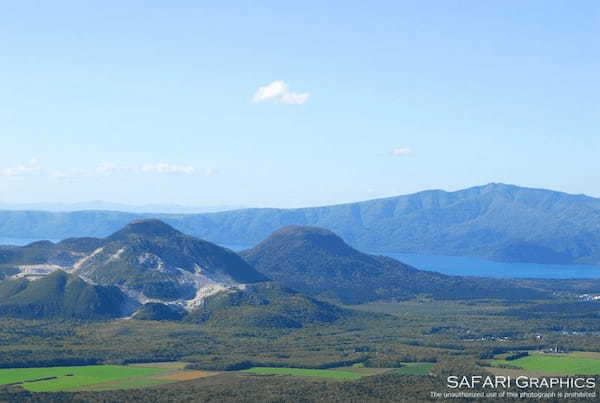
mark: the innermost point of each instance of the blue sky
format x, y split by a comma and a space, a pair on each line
160, 102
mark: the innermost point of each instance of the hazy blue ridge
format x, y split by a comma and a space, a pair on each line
496, 221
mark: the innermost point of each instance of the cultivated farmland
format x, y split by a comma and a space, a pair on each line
574, 363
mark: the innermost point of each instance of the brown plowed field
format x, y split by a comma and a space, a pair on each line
189, 375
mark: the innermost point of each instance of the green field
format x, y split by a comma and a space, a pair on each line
124, 384
574, 363
414, 368
323, 373
71, 378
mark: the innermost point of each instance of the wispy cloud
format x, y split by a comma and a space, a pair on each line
294, 98
58, 174
169, 169
402, 151
106, 168
69, 173
211, 171
27, 168
103, 169
278, 92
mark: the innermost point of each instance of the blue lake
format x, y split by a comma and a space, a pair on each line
455, 265
466, 266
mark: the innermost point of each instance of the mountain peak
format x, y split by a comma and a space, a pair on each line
345, 274
315, 236
299, 230
147, 227
498, 185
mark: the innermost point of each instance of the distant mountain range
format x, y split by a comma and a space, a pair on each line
496, 221
107, 206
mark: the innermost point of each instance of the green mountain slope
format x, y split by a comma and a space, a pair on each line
62, 296
158, 311
266, 305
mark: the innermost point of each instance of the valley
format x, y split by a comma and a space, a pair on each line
415, 336
150, 310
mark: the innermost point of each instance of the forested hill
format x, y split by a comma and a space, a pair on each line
496, 221
319, 263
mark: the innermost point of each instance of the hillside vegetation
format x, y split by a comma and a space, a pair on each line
62, 295
317, 262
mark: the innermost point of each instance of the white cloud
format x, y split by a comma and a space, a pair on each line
27, 168
294, 98
270, 91
401, 151
166, 168
278, 92
69, 173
